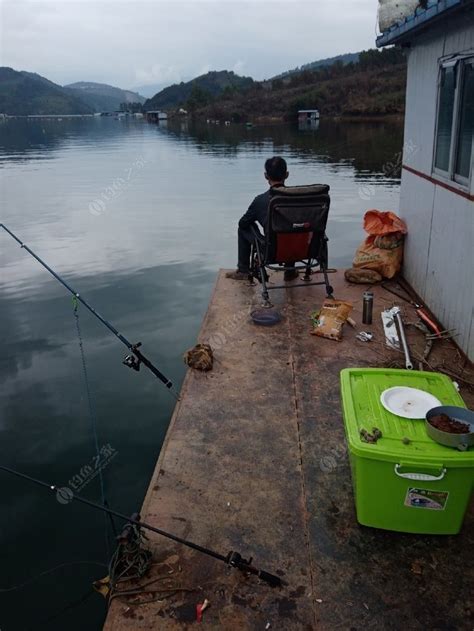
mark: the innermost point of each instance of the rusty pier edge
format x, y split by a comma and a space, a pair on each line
255, 460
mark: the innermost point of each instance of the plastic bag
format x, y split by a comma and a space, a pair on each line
331, 318
382, 250
377, 222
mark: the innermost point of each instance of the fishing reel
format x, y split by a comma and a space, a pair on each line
132, 361
234, 559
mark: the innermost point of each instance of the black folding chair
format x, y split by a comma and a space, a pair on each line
295, 233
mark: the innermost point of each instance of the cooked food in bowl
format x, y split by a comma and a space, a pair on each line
445, 423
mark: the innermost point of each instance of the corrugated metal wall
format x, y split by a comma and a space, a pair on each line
439, 252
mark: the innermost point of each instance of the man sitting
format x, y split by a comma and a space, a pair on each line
275, 173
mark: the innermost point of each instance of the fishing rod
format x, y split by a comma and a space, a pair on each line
136, 358
234, 559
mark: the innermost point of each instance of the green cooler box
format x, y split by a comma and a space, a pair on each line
405, 481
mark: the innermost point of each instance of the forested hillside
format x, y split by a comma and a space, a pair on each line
23, 93
197, 92
372, 86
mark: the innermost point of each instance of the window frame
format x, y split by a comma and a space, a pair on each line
459, 62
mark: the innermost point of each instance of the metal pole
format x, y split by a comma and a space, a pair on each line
122, 338
408, 362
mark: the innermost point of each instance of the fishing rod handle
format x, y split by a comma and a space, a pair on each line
234, 559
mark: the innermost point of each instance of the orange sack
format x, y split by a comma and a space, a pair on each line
377, 223
382, 250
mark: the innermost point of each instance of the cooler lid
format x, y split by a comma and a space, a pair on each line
403, 440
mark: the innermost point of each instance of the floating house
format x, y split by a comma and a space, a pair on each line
305, 116
154, 116
437, 189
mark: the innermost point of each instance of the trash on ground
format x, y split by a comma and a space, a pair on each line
199, 357
382, 250
200, 609
102, 586
361, 276
365, 336
331, 319
391, 334
416, 567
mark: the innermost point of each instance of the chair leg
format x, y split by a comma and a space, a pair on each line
263, 278
329, 288
252, 271
323, 264
307, 273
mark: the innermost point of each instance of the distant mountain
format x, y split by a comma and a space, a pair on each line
150, 90
204, 87
102, 97
347, 58
23, 93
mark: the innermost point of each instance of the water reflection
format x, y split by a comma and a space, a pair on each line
308, 124
366, 145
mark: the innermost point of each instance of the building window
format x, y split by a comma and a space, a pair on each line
455, 124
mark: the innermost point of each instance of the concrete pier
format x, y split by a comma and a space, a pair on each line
255, 461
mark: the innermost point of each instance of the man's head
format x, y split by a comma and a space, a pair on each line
275, 170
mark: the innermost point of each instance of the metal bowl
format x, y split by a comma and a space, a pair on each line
265, 316
458, 441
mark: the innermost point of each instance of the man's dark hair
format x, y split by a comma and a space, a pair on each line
276, 168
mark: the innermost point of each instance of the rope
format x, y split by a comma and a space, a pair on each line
93, 419
131, 560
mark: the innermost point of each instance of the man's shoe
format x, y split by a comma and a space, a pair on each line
237, 275
290, 274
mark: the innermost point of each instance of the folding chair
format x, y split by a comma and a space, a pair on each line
295, 233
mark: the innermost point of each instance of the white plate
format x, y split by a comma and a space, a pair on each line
408, 402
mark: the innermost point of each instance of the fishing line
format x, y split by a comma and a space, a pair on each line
4, 590
136, 358
93, 419
71, 605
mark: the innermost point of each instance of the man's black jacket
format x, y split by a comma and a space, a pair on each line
258, 211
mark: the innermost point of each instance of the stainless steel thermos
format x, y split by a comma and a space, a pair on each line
367, 306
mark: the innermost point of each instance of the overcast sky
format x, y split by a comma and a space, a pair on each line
131, 44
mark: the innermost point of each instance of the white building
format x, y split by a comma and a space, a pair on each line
308, 115
156, 115
437, 190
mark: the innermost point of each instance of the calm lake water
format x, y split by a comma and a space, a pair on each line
138, 218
